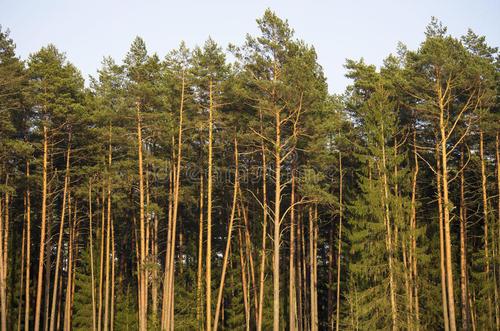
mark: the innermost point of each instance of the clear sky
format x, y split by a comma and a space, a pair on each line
88, 30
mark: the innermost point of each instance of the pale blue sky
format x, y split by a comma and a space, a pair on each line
88, 30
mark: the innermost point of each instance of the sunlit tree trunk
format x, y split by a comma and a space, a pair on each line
38, 303
277, 220
413, 229
91, 247
208, 267
69, 283
108, 234
61, 233
486, 223
28, 250
142, 246
464, 291
291, 280
21, 281
112, 304
244, 282
389, 236
444, 297
446, 209
339, 239
199, 282
229, 236
169, 311
264, 229
101, 261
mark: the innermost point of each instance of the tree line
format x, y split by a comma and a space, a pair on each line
197, 193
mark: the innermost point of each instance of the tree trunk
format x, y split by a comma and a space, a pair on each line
101, 261
229, 236
463, 249
170, 295
444, 297
142, 272
28, 250
21, 281
244, 282
92, 258
61, 234
413, 229
277, 220
208, 267
199, 282
291, 280
339, 249
112, 305
389, 237
38, 303
108, 231
69, 283
446, 218
486, 223
264, 230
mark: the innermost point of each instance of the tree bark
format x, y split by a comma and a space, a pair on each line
28, 250
92, 257
339, 249
208, 267
264, 229
61, 234
444, 296
229, 236
41, 258
199, 282
486, 222
464, 291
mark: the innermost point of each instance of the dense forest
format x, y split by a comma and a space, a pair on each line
227, 189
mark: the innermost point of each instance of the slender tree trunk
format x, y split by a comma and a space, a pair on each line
4, 242
112, 305
208, 267
48, 263
446, 218
264, 230
229, 236
299, 255
61, 234
463, 249
304, 263
28, 250
67, 310
170, 295
486, 222
38, 304
497, 154
164, 315
108, 232
444, 297
277, 220
248, 249
389, 237
21, 282
413, 228
92, 281
291, 280
331, 279
339, 243
142, 272
244, 282
3, 271
199, 282
101, 261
